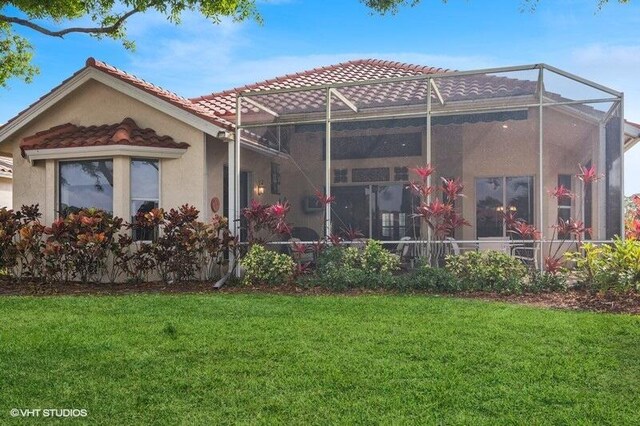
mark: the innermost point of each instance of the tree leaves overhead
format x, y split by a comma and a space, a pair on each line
107, 18
392, 6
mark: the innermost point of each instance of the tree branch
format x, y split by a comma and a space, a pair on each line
61, 33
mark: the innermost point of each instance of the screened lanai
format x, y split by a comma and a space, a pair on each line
510, 135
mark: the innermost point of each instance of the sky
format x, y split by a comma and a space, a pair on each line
198, 57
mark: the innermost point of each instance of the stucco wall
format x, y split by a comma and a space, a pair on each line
183, 179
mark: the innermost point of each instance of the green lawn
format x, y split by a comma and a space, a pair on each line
210, 359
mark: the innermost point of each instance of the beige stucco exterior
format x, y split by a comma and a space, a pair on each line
182, 179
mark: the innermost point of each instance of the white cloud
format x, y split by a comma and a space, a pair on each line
201, 57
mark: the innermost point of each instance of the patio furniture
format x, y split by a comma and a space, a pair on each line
456, 248
300, 258
527, 254
494, 243
406, 251
304, 234
359, 243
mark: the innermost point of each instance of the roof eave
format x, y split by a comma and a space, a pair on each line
102, 151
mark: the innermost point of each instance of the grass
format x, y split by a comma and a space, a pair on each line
209, 359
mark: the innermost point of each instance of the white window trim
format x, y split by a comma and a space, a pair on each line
93, 152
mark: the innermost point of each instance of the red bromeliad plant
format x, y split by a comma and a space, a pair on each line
632, 222
438, 213
265, 221
565, 232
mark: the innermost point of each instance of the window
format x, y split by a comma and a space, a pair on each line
401, 173
275, 178
564, 204
374, 174
145, 193
85, 184
496, 195
340, 175
375, 146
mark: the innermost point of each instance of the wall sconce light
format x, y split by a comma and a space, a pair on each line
225, 136
260, 188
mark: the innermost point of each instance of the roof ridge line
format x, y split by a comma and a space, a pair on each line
285, 77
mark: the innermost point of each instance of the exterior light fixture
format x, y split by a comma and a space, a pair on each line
225, 135
260, 188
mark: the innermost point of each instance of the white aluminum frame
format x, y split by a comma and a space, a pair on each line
617, 98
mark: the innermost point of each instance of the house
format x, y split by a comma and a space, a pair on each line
6, 178
105, 138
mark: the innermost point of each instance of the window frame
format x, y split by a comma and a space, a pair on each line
276, 178
503, 179
58, 184
132, 198
562, 206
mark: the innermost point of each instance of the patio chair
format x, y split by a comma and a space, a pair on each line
406, 251
359, 243
456, 249
299, 258
528, 255
494, 243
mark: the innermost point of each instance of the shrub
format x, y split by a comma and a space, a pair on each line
545, 281
488, 271
185, 248
86, 238
263, 266
341, 268
427, 278
607, 267
88, 245
375, 259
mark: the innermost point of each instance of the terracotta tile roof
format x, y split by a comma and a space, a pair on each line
6, 167
631, 123
381, 95
125, 133
219, 108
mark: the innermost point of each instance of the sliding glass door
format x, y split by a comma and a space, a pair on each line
382, 212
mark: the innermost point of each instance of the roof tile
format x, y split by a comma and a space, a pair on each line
125, 133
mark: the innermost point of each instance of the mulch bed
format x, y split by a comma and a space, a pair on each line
628, 303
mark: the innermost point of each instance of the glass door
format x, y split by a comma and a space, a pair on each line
351, 209
382, 212
393, 213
